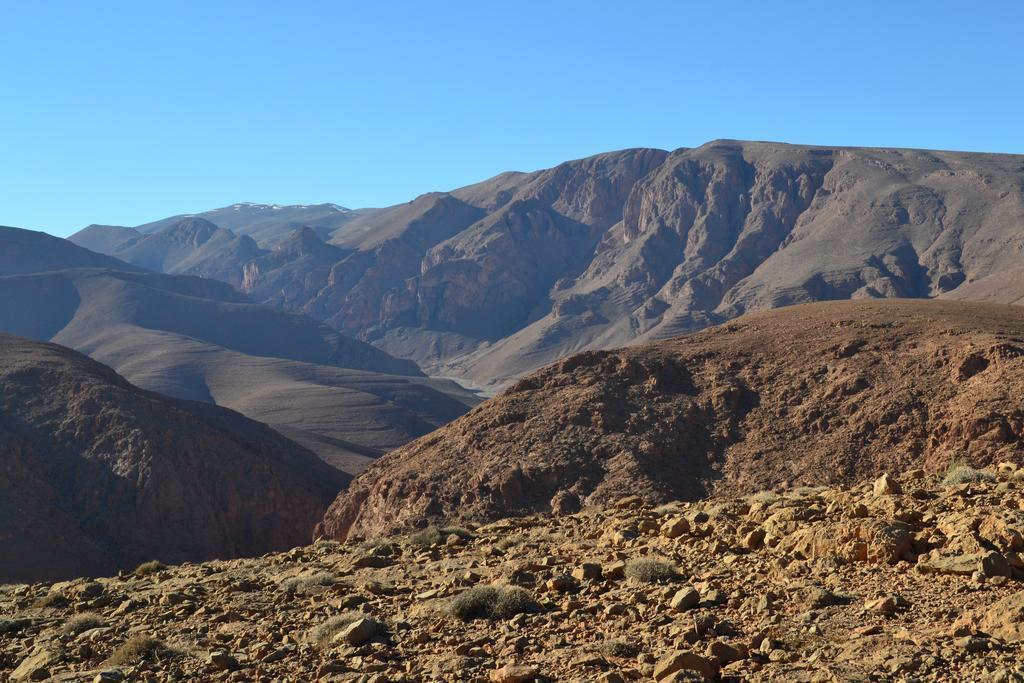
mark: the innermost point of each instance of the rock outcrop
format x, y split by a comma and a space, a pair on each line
807, 395
99, 475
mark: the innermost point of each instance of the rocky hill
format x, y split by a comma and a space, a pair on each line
905, 578
99, 475
199, 339
807, 395
191, 246
496, 279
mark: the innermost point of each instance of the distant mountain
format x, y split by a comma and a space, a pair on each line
27, 251
105, 239
190, 246
267, 224
490, 281
99, 475
200, 339
824, 393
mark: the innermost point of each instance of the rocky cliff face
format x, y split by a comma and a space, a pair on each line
816, 394
100, 475
499, 278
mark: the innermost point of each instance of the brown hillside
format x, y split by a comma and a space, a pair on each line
98, 475
822, 393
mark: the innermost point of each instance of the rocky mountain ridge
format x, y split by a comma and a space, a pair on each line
493, 280
825, 393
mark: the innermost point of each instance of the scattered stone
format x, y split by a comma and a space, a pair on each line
684, 660
565, 503
358, 632
817, 593
513, 673
675, 527
220, 660
886, 485
35, 667
588, 571
987, 563
685, 598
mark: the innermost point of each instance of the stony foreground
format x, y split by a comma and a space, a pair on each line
903, 579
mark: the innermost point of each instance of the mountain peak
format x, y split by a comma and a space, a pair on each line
192, 230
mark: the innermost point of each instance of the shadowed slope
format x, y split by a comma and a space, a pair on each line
100, 475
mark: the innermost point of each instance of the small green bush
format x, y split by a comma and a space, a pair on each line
305, 582
151, 567
81, 623
137, 649
434, 535
962, 473
493, 602
646, 570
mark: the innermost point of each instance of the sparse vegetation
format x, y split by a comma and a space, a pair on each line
372, 543
138, 648
493, 602
618, 648
673, 508
306, 582
434, 535
647, 570
151, 567
764, 497
52, 599
510, 542
322, 634
961, 473
81, 623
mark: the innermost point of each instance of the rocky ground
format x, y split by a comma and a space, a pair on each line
903, 579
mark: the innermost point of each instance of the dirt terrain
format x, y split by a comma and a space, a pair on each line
905, 578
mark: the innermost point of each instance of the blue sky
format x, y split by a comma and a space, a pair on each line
125, 112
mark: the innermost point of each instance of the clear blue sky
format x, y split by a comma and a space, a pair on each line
124, 112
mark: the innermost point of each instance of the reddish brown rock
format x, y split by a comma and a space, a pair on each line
651, 421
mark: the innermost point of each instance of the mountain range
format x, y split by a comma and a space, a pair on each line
493, 280
200, 339
342, 332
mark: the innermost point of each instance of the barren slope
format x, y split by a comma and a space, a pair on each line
100, 475
199, 339
831, 392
